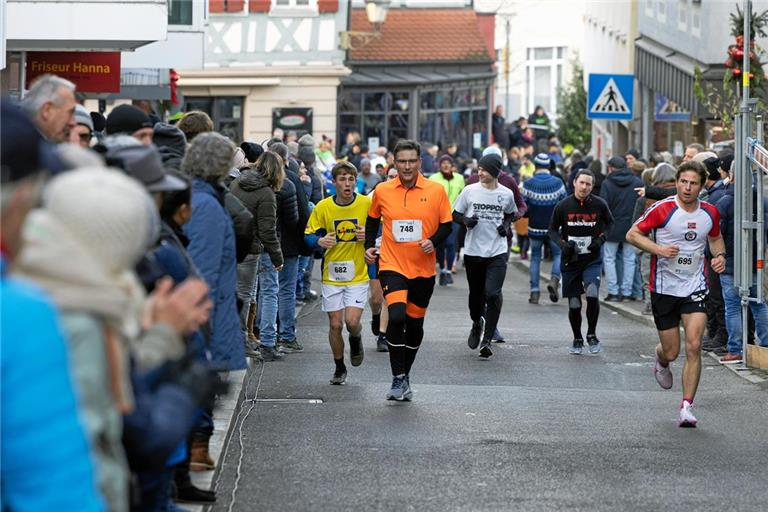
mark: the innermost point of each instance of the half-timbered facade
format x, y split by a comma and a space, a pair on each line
269, 64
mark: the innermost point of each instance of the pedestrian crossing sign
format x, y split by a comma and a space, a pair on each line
610, 96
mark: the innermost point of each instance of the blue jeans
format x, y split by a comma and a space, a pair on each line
628, 259
286, 298
637, 283
268, 302
446, 251
304, 264
536, 246
733, 315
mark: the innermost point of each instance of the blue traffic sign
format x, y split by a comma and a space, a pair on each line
610, 96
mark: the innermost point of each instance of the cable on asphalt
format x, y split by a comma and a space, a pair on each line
239, 423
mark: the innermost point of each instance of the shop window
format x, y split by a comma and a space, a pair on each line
479, 97
226, 113
384, 115
350, 101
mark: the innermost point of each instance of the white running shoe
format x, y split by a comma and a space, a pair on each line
685, 417
663, 375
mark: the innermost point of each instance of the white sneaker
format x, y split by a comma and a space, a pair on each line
663, 375
685, 417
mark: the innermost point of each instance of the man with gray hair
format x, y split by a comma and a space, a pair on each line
50, 103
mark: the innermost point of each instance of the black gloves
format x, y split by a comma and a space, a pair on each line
596, 244
471, 222
502, 230
569, 250
200, 381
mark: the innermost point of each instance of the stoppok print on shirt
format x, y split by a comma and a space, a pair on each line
485, 211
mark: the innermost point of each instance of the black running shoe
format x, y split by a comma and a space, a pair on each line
381, 343
485, 350
356, 350
476, 333
594, 344
339, 377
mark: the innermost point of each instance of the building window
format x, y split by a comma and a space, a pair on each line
682, 15
382, 115
293, 8
649, 8
696, 20
456, 114
226, 112
180, 12
544, 74
661, 11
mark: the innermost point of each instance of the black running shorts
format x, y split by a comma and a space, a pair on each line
668, 309
416, 292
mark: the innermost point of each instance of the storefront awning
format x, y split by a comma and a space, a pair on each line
670, 73
384, 75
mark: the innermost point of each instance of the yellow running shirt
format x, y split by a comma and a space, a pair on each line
344, 263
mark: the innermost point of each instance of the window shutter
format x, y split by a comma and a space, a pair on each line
235, 5
258, 5
327, 6
215, 6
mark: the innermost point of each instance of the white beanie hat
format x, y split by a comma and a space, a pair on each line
111, 214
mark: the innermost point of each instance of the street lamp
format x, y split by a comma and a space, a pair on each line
376, 11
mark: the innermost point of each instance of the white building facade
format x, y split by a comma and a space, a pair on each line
536, 42
610, 30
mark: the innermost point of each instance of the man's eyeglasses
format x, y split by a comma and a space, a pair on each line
407, 162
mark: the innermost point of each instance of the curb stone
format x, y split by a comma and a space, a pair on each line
753, 375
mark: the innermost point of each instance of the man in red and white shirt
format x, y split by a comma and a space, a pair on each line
675, 232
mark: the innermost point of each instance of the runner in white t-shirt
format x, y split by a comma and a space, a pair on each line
681, 226
487, 210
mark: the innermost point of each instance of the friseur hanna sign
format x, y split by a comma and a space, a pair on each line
90, 72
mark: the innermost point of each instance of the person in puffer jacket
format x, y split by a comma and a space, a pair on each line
618, 191
256, 188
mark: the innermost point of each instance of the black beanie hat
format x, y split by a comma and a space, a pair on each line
712, 165
127, 119
491, 164
252, 151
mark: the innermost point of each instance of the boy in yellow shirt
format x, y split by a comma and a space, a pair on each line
337, 224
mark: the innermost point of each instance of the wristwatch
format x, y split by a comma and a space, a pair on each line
719, 254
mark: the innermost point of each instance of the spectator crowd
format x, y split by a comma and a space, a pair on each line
143, 260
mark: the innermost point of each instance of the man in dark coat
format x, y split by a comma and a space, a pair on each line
499, 128
293, 246
618, 191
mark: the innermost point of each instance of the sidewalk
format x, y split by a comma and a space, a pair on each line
224, 419
634, 311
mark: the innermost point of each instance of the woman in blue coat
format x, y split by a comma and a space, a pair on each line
212, 244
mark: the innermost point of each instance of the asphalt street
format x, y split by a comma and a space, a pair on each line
534, 428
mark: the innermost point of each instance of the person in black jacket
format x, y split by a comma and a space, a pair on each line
619, 192
256, 188
579, 224
293, 246
287, 213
